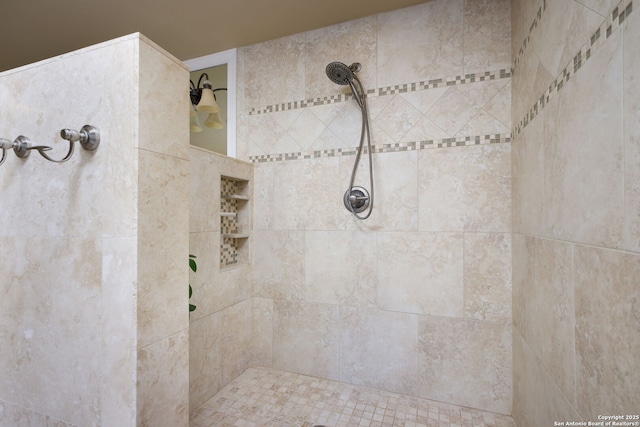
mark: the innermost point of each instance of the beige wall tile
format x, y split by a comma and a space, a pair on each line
163, 382
163, 123
306, 338
527, 169
583, 183
12, 415
550, 322
263, 205
487, 276
52, 295
237, 329
205, 358
565, 27
279, 264
420, 43
395, 191
117, 401
421, 273
607, 340
519, 276
379, 349
163, 232
339, 268
529, 380
274, 71
465, 189
477, 354
487, 35
263, 315
204, 191
631, 120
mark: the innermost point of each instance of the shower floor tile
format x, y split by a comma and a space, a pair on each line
268, 397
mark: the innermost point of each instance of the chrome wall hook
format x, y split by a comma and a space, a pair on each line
88, 137
22, 146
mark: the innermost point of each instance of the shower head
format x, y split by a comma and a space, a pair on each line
342, 74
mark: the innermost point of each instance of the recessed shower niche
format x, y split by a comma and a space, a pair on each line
234, 221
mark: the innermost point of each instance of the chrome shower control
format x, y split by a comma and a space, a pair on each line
357, 199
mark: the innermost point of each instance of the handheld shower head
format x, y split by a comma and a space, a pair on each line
340, 73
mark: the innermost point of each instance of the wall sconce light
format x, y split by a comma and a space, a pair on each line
203, 99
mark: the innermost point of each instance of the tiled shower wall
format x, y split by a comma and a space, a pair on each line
220, 335
93, 248
576, 210
416, 299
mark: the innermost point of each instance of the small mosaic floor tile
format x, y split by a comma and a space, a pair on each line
267, 397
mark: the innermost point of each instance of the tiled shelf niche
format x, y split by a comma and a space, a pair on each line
234, 221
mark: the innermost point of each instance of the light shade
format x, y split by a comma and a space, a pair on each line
194, 124
208, 102
213, 121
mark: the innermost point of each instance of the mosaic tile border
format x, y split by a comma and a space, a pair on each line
527, 39
388, 90
595, 42
461, 141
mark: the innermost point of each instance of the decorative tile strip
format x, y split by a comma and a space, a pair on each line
595, 42
388, 90
461, 141
527, 39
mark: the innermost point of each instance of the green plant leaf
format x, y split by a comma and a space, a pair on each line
190, 291
193, 265
192, 307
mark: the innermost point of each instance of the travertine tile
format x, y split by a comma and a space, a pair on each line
607, 341
266, 64
162, 382
160, 127
421, 273
237, 328
465, 189
527, 169
477, 354
306, 338
205, 358
262, 340
594, 216
279, 264
550, 323
631, 120
487, 35
49, 300
487, 276
163, 231
432, 42
339, 268
565, 27
379, 349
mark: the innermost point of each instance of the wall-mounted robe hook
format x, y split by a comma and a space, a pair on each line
88, 137
5, 144
22, 146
